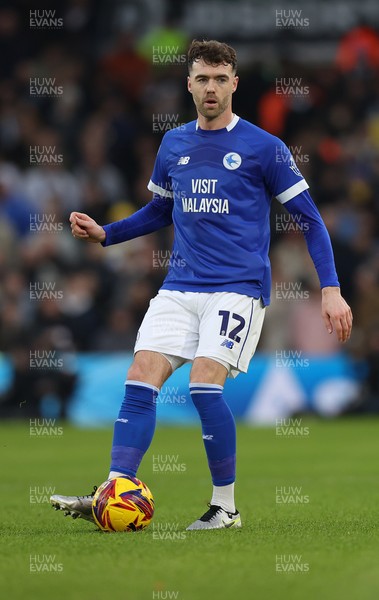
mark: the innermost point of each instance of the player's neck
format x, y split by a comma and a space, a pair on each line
219, 122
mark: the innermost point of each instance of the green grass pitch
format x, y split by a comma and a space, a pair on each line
309, 505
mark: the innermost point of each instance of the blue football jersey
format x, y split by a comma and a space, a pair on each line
221, 183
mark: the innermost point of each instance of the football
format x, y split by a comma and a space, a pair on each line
123, 504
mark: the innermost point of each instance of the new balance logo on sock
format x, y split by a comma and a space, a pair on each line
123, 420
207, 437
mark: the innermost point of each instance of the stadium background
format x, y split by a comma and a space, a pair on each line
86, 93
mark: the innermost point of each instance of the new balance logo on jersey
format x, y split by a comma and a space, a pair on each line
208, 437
228, 343
183, 160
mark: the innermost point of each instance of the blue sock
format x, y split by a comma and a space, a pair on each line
134, 428
219, 431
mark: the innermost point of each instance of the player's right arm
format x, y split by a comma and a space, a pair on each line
150, 218
85, 228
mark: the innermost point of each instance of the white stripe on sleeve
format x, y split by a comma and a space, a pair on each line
157, 189
293, 191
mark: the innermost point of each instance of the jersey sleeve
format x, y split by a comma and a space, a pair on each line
316, 236
152, 217
281, 174
160, 182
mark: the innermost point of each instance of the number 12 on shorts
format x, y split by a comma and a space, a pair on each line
233, 333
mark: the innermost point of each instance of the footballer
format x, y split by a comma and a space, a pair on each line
213, 179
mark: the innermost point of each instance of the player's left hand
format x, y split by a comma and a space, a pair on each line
336, 313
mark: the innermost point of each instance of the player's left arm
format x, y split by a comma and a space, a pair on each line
286, 183
335, 311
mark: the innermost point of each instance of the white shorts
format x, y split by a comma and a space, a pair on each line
224, 326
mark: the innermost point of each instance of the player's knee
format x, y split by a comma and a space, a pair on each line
206, 370
136, 372
149, 368
140, 370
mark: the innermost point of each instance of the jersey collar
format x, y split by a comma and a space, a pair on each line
229, 127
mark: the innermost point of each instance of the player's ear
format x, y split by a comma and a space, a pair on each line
235, 82
189, 85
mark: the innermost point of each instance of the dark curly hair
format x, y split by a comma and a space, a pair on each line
213, 53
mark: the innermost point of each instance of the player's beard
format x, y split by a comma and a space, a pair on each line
212, 113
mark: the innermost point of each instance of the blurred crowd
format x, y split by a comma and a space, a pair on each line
80, 124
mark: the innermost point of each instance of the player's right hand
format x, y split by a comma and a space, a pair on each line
85, 228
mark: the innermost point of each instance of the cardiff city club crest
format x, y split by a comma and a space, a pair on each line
232, 161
